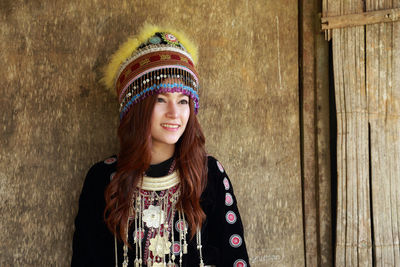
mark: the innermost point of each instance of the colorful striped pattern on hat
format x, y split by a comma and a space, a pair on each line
154, 62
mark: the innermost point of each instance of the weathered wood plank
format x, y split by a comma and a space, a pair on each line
382, 87
341, 139
359, 19
317, 180
353, 244
395, 138
308, 114
324, 197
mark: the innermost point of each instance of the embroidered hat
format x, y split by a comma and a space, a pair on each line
155, 61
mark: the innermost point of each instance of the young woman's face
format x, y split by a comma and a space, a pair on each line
170, 116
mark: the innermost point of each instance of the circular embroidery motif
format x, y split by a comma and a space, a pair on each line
110, 160
170, 38
235, 241
180, 225
176, 248
230, 217
112, 175
228, 199
226, 183
221, 169
139, 234
240, 263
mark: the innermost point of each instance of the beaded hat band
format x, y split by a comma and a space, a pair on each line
153, 62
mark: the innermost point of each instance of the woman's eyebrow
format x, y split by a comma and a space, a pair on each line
180, 95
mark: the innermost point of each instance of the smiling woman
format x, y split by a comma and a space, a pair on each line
161, 201
168, 122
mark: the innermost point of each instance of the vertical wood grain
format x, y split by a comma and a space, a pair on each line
353, 241
314, 82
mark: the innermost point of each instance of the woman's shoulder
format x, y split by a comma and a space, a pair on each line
101, 173
216, 174
218, 184
104, 166
215, 166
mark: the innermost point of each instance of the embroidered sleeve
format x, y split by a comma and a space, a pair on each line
232, 244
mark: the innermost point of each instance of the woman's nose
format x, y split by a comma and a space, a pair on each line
172, 111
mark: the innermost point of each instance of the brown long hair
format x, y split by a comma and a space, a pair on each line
134, 159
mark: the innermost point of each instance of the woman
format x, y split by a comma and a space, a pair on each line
162, 201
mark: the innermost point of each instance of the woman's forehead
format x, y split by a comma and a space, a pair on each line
177, 94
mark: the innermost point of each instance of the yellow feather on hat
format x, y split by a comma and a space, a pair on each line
127, 49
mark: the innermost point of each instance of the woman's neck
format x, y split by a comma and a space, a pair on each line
160, 153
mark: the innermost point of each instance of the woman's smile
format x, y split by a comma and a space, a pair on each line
170, 126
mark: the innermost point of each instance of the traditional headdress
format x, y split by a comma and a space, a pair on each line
157, 60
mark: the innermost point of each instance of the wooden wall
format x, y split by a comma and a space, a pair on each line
367, 90
57, 119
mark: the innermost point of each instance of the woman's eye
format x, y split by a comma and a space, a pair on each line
160, 100
184, 102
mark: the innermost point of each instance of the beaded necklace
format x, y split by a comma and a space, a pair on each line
154, 206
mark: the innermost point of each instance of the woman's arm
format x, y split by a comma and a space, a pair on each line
93, 243
226, 222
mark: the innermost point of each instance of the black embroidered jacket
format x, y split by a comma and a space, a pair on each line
222, 232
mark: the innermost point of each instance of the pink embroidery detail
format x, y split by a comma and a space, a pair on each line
180, 225
230, 217
240, 263
170, 37
221, 169
226, 183
228, 199
176, 248
235, 241
110, 160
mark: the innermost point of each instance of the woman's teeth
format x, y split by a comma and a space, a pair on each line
174, 126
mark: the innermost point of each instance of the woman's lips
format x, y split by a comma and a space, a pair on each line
170, 126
